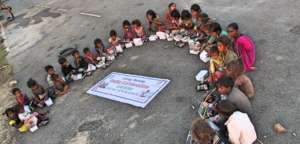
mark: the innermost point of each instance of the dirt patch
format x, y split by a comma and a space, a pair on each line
295, 30
37, 18
91, 125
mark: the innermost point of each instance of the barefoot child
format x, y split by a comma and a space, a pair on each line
243, 46
40, 94
60, 86
50, 71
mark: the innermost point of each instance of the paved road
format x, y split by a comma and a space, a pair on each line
40, 32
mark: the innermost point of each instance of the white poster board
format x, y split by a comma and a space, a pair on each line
127, 88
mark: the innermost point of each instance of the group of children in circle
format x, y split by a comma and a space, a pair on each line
225, 114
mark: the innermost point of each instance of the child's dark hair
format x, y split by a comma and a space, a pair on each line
48, 67
98, 41
137, 22
215, 27
233, 25
201, 131
86, 50
62, 60
54, 76
204, 18
15, 90
213, 49
172, 3
31, 82
112, 33
175, 14
151, 13
185, 15
75, 52
10, 110
126, 23
225, 81
196, 7
225, 41
236, 67
226, 108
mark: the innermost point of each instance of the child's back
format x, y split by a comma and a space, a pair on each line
244, 83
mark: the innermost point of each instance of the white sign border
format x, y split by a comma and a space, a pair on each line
124, 100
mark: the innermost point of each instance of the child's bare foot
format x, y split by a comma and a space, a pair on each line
253, 68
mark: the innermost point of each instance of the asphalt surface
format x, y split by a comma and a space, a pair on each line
44, 28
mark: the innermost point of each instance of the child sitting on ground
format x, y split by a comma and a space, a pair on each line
99, 48
235, 70
93, 58
128, 34
24, 120
40, 94
138, 29
81, 64
175, 22
244, 46
69, 72
196, 14
21, 98
215, 31
216, 65
114, 43
187, 22
204, 19
225, 86
168, 17
60, 86
225, 49
50, 71
154, 22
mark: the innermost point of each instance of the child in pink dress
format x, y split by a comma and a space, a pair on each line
138, 29
128, 34
243, 46
168, 17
